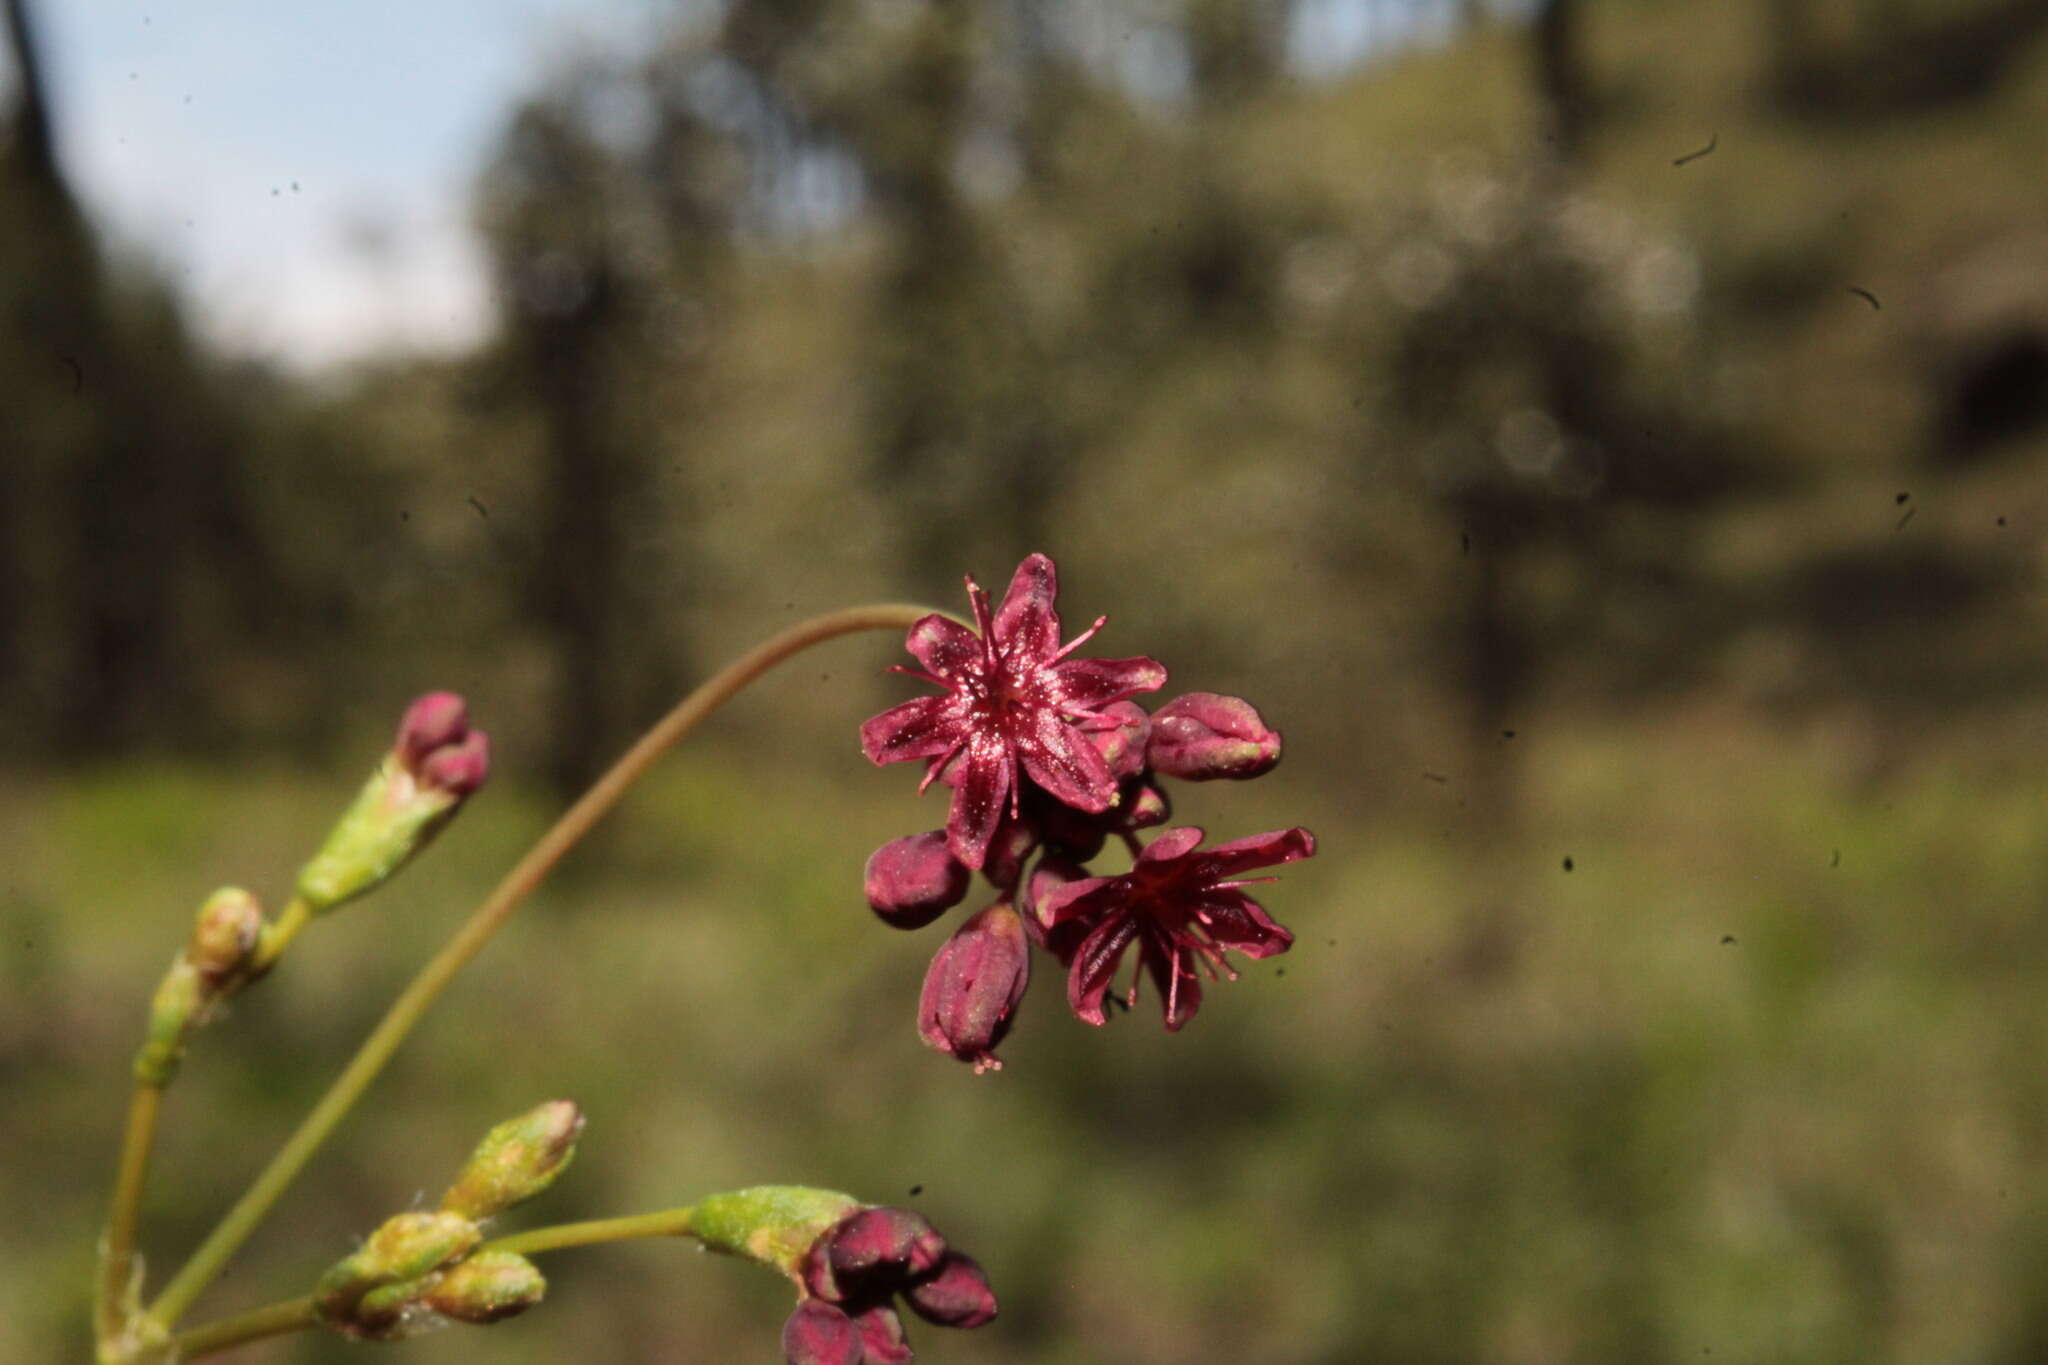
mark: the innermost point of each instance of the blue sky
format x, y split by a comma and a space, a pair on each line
304, 169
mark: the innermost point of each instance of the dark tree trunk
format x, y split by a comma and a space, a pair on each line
582, 593
1562, 82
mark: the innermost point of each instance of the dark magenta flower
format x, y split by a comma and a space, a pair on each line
1182, 906
854, 1271
1014, 705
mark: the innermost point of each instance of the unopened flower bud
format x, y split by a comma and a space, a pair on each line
899, 1240
458, 769
432, 722
818, 1333
882, 1341
516, 1161
1122, 745
957, 1296
1059, 937
224, 939
1145, 805
407, 1247
1202, 735
913, 880
973, 986
436, 762
487, 1287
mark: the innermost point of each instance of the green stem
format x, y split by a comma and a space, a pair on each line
272, 1320
406, 1011
296, 915
665, 1223
117, 1249
294, 1315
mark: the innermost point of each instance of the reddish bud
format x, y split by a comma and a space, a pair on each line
819, 1334
434, 721
881, 1336
458, 768
1201, 736
1145, 805
1122, 745
913, 880
885, 1239
972, 989
1052, 873
957, 1296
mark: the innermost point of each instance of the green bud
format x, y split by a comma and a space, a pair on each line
516, 1161
214, 965
363, 1294
771, 1224
224, 939
392, 818
487, 1287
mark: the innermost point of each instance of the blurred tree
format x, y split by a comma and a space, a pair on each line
962, 437
582, 300
1886, 57
1236, 48
137, 589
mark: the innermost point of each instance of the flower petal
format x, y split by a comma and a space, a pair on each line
1095, 963
1270, 849
1027, 625
1173, 844
944, 646
980, 799
1075, 900
1089, 683
923, 727
1238, 922
1060, 759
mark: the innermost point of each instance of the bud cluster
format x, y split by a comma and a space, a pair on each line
420, 1269
1048, 760
852, 1275
850, 1262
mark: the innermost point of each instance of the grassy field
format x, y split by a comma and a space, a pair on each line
1756, 1078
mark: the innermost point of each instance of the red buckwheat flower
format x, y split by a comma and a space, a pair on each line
1180, 905
1012, 699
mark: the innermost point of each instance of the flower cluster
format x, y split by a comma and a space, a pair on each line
856, 1268
1048, 758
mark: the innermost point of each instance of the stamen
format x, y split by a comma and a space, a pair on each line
1078, 640
920, 675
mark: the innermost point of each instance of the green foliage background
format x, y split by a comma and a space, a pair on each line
1422, 404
